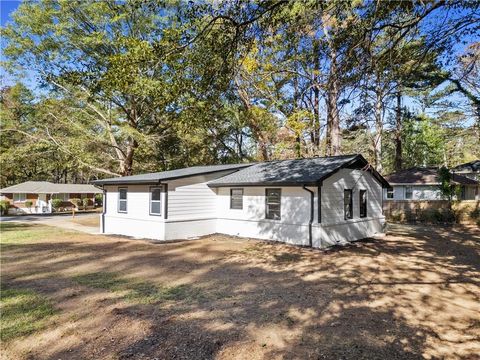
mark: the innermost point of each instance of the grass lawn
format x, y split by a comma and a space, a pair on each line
69, 295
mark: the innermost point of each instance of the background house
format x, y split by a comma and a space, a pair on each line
415, 195
41, 193
315, 202
422, 184
470, 170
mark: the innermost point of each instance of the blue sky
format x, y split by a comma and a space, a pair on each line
6, 8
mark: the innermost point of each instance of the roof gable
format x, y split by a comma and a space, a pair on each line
309, 171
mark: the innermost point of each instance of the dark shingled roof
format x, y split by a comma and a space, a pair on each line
298, 172
427, 175
169, 175
473, 166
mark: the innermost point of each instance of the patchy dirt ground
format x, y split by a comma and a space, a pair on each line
414, 294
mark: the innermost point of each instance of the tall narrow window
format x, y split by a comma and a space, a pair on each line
348, 203
363, 203
236, 199
122, 200
272, 204
408, 192
155, 200
390, 193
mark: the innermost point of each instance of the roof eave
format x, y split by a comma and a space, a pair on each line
265, 183
157, 181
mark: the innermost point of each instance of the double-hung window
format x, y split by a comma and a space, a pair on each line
122, 200
19, 197
390, 193
363, 203
408, 192
156, 200
273, 204
348, 204
236, 199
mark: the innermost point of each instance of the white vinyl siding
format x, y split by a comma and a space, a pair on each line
191, 198
332, 195
194, 210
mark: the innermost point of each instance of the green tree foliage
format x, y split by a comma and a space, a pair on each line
136, 86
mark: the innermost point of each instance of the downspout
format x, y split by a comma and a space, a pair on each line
310, 222
104, 208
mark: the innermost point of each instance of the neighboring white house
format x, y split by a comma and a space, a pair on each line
315, 202
422, 183
35, 197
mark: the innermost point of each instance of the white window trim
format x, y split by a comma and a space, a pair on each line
392, 192
231, 198
61, 196
119, 200
157, 201
405, 194
20, 200
267, 203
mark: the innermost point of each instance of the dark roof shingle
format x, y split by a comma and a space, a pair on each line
424, 176
473, 166
310, 171
170, 174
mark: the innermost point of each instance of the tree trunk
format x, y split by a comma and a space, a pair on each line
316, 93
333, 118
398, 163
126, 164
378, 129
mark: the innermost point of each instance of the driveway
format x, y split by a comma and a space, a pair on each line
84, 222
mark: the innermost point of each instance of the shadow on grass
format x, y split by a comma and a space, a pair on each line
23, 311
361, 301
136, 291
12, 226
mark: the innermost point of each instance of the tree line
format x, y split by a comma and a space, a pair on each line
123, 87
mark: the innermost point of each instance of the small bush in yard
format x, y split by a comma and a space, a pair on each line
99, 199
56, 203
4, 205
85, 202
28, 204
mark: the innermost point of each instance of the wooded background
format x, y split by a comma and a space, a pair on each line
105, 88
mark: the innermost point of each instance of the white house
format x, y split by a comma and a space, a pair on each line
423, 184
314, 202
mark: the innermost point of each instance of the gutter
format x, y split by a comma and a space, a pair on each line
310, 222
